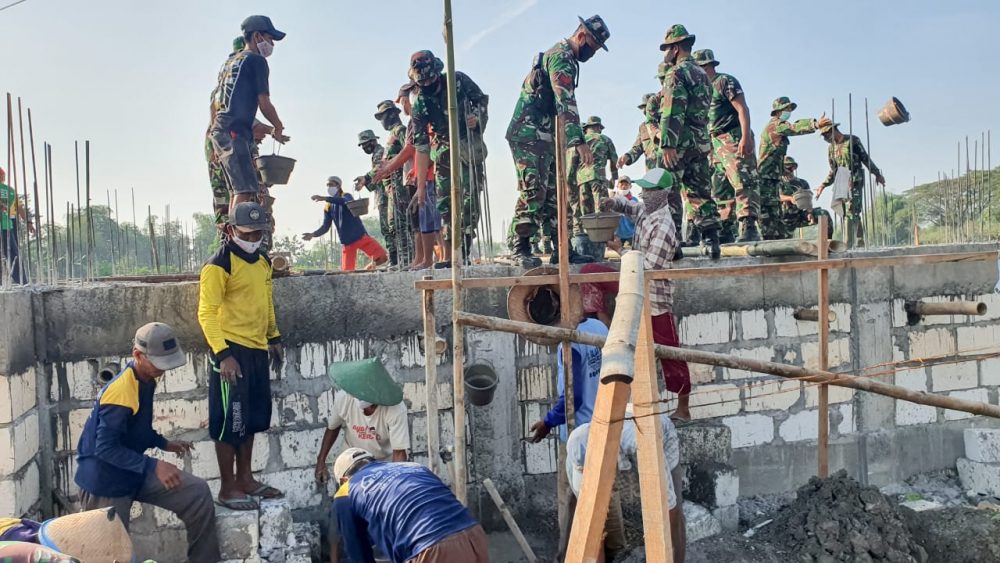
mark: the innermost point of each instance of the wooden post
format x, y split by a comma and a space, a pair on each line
562, 202
529, 554
824, 351
457, 235
653, 474
430, 378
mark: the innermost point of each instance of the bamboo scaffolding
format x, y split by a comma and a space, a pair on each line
824, 353
562, 214
430, 380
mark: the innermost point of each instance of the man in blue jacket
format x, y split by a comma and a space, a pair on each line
405, 511
350, 230
112, 468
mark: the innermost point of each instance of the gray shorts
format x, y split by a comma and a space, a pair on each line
234, 153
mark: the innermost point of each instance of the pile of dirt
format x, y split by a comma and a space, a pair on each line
837, 519
957, 535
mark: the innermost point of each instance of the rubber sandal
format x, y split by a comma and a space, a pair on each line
242, 504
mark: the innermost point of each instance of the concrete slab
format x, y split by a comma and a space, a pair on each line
982, 444
981, 478
699, 522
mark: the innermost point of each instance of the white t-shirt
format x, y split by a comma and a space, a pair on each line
387, 429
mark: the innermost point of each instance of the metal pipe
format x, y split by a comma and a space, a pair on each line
90, 215
803, 314
947, 308
32, 256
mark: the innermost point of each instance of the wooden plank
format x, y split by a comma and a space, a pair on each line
824, 353
725, 271
430, 379
653, 474
529, 554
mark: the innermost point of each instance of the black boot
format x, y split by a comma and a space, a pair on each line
574, 257
710, 239
693, 237
467, 250
523, 256
749, 230
546, 246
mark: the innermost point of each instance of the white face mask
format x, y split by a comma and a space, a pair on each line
785, 115
265, 48
245, 245
334, 191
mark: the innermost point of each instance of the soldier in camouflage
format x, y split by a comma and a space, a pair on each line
846, 151
548, 94
684, 142
368, 142
430, 137
793, 217
401, 243
734, 167
592, 181
770, 162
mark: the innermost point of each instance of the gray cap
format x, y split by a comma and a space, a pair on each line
249, 216
262, 24
334, 179
158, 343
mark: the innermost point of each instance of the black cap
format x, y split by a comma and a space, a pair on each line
262, 24
249, 216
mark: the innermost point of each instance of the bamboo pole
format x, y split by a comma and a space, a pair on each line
430, 379
509, 519
972, 308
824, 353
747, 364
562, 214
457, 259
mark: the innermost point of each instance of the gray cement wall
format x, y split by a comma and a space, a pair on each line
54, 341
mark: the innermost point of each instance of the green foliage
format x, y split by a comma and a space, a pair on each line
966, 208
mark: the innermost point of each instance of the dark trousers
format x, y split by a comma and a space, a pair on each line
10, 254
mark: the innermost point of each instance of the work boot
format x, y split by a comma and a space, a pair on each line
522, 254
393, 255
574, 258
547, 246
750, 232
467, 249
536, 249
693, 237
710, 240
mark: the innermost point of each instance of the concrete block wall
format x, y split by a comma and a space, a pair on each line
19, 445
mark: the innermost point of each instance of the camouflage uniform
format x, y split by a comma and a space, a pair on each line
588, 184
770, 163
850, 154
221, 192
430, 117
687, 95
378, 190
793, 217
734, 177
401, 243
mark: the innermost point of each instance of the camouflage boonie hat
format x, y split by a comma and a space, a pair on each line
424, 66
675, 34
593, 121
704, 57
645, 100
385, 106
827, 128
782, 104
661, 71
239, 44
790, 162
597, 28
366, 136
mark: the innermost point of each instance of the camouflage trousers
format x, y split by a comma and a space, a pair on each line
695, 177
441, 156
854, 206
221, 192
536, 207
795, 218
401, 242
771, 218
734, 180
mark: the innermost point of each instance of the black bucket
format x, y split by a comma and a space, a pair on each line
275, 169
480, 384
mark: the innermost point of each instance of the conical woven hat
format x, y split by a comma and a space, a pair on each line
94, 536
367, 380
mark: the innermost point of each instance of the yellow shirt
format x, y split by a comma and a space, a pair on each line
235, 301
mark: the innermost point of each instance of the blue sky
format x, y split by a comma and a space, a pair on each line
134, 78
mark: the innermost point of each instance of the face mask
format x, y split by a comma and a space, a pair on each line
245, 245
364, 404
669, 56
368, 148
585, 52
334, 191
265, 48
785, 115
388, 121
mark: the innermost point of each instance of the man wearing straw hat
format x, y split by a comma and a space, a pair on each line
846, 151
368, 407
112, 468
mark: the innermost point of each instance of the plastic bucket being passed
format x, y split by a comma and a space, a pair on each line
803, 199
480, 384
893, 113
275, 169
358, 207
601, 227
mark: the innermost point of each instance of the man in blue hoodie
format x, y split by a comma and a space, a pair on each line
112, 468
350, 230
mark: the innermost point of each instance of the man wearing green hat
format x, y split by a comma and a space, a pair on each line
734, 173
368, 407
548, 95
771, 160
687, 95
793, 217
846, 151
589, 183
401, 244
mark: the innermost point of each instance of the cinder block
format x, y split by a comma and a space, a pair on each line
989, 372
701, 374
836, 394
932, 343
898, 313
275, 527
300, 448
777, 394
911, 413
786, 325
535, 383
18, 444
172, 415
19, 494
754, 324
750, 430
17, 395
839, 353
81, 382
239, 534
708, 328
728, 517
949, 377
699, 522
184, 378
416, 396
992, 301
980, 395
713, 484
701, 443
843, 322
846, 425
312, 361
541, 458
165, 518
982, 478
68, 435
204, 463
307, 534
800, 426
977, 339
982, 444
292, 409
763, 353
914, 379
300, 487
711, 401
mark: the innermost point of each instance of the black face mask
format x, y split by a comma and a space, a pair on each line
585, 52
368, 148
388, 120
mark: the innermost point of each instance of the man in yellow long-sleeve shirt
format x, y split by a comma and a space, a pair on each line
236, 313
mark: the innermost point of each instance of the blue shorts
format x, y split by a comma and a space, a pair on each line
233, 152
238, 410
430, 217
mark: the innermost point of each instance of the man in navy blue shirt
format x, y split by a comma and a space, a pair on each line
112, 468
350, 230
242, 89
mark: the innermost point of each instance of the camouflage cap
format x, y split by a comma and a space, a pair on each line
828, 127
675, 34
661, 71
385, 106
593, 121
597, 28
782, 104
424, 66
239, 44
790, 162
704, 57
367, 136
645, 100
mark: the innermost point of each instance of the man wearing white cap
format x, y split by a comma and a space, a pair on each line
112, 468
350, 230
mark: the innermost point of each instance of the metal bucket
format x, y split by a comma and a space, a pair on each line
803, 199
601, 227
358, 207
893, 113
275, 169
480, 384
